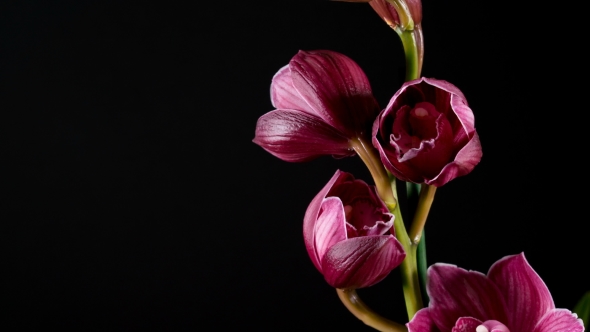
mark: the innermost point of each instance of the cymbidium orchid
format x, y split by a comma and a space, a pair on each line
354, 232
510, 298
348, 234
323, 102
427, 133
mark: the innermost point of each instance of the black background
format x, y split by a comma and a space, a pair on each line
134, 199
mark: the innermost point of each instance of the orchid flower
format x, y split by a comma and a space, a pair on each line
323, 102
348, 234
427, 133
511, 298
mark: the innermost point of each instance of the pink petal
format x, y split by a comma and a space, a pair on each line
361, 261
330, 226
466, 324
415, 7
455, 293
526, 296
336, 88
465, 161
312, 212
421, 322
561, 320
296, 136
386, 11
283, 94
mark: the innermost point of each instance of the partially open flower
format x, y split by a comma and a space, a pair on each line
403, 13
511, 298
348, 234
426, 134
322, 99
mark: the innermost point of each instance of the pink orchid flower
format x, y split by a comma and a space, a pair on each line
426, 134
511, 298
322, 99
348, 234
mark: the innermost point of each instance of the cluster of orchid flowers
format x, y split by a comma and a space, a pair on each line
354, 232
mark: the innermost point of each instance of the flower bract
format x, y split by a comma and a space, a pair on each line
510, 298
322, 99
426, 134
348, 234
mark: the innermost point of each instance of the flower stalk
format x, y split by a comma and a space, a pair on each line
370, 157
360, 310
409, 266
412, 42
424, 203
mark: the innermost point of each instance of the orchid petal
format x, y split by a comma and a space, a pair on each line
336, 88
455, 292
465, 161
466, 324
330, 226
311, 216
284, 96
561, 320
526, 296
296, 136
422, 322
361, 261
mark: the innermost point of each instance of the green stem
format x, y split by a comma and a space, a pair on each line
424, 203
413, 48
386, 189
370, 157
422, 268
360, 310
409, 266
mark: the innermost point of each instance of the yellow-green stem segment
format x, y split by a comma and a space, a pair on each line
370, 157
412, 51
361, 311
409, 267
422, 210
385, 184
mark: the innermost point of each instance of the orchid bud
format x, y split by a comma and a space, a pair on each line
349, 234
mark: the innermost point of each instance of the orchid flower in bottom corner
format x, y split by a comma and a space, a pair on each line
511, 298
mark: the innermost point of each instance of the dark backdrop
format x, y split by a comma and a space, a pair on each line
134, 199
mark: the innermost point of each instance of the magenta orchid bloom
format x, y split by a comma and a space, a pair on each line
322, 99
348, 234
426, 134
511, 298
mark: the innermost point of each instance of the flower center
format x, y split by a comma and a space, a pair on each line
492, 326
423, 121
420, 112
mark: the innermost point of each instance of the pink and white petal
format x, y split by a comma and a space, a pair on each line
561, 320
495, 326
465, 161
330, 226
526, 296
444, 85
297, 136
421, 322
312, 212
455, 293
362, 261
283, 94
336, 88
463, 112
466, 324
